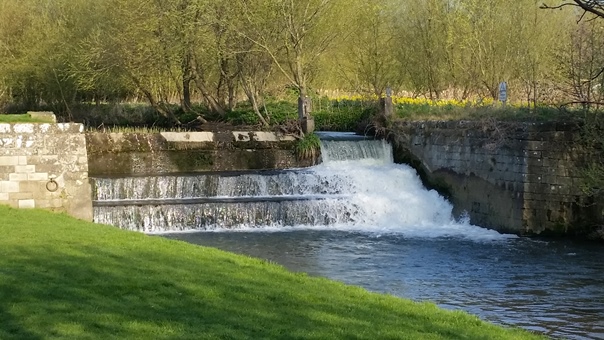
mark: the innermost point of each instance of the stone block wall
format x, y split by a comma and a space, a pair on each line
128, 154
45, 166
522, 178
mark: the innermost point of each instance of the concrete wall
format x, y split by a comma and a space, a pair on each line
48, 165
514, 177
45, 166
126, 154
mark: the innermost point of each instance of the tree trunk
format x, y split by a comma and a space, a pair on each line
186, 82
159, 108
249, 92
212, 102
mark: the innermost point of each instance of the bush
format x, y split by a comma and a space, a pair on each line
308, 147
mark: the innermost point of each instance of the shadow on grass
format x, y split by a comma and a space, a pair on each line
10, 328
172, 291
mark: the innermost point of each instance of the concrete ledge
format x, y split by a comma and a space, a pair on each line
260, 136
147, 142
185, 137
171, 152
43, 115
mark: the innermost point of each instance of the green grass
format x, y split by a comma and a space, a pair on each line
19, 118
62, 278
329, 114
308, 147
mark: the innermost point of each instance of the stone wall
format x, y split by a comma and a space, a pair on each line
522, 178
45, 166
127, 154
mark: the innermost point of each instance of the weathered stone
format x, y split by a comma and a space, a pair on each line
27, 204
307, 124
37, 188
524, 182
37, 176
9, 160
25, 169
125, 154
23, 128
31, 154
188, 136
9, 186
21, 196
43, 116
15, 177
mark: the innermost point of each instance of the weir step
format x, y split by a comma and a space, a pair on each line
203, 200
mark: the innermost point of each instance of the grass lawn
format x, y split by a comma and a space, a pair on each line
19, 118
61, 278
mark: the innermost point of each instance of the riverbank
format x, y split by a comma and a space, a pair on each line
67, 279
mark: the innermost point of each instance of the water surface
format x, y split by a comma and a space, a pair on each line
553, 287
361, 219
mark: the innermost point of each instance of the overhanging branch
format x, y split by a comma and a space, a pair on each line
595, 7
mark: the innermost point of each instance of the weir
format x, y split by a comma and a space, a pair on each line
357, 186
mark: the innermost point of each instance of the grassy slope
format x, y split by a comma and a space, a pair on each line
65, 279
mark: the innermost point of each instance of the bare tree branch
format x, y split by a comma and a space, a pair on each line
595, 7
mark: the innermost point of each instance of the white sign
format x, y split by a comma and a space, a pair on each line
503, 92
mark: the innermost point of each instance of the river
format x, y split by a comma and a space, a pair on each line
363, 220
553, 287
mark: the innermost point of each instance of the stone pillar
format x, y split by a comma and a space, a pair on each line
307, 122
304, 107
308, 125
386, 105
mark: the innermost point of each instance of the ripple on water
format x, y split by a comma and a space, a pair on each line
518, 282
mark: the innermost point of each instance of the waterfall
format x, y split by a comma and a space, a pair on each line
357, 187
378, 151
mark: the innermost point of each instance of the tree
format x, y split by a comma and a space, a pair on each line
369, 58
582, 62
544, 34
35, 54
595, 7
296, 34
424, 51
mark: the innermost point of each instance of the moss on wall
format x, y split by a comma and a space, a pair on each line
512, 177
114, 154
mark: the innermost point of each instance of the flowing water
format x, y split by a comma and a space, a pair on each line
361, 219
555, 288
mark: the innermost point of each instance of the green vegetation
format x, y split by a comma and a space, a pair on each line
231, 60
308, 147
592, 167
62, 278
247, 61
19, 118
329, 114
415, 112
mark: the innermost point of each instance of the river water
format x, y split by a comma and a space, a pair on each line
363, 220
553, 287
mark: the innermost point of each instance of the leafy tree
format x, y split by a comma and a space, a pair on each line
423, 51
296, 33
369, 60
543, 34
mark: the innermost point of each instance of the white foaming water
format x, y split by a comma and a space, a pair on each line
391, 198
364, 191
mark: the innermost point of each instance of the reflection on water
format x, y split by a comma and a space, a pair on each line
553, 287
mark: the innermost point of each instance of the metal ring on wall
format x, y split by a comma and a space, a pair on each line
52, 185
